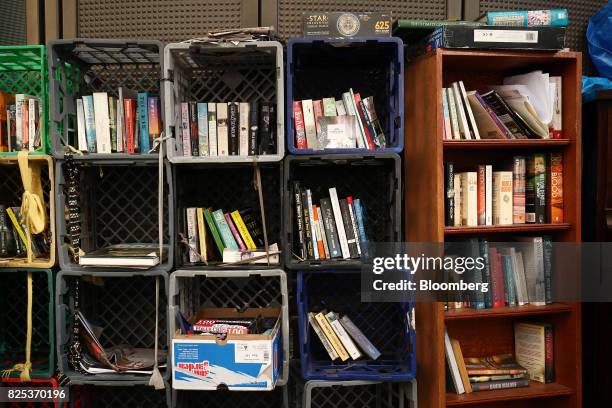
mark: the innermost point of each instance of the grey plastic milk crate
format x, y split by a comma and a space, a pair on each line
123, 303
224, 72
349, 394
118, 205
191, 289
82, 66
278, 398
120, 395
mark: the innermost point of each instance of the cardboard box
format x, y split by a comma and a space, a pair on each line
323, 24
240, 362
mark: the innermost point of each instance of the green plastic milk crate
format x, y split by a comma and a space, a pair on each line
23, 69
13, 321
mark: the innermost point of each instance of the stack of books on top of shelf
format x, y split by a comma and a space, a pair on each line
13, 233
347, 123
20, 122
127, 124
228, 129
339, 335
333, 230
533, 359
527, 106
515, 275
531, 192
237, 237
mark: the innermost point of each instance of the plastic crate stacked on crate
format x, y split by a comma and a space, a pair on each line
11, 195
13, 320
192, 291
23, 70
221, 73
320, 68
120, 396
81, 67
123, 306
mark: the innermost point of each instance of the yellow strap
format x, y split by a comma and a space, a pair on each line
32, 203
26, 367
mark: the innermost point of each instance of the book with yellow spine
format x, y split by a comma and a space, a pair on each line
242, 229
202, 233
331, 336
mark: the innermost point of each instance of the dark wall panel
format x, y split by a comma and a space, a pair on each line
12, 22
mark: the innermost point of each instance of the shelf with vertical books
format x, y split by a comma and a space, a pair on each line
426, 76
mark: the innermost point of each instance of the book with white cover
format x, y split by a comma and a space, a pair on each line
340, 108
309, 124
452, 364
103, 137
469, 198
313, 227
81, 136
212, 129
222, 130
324, 340
349, 104
333, 195
488, 194
244, 129
469, 113
346, 340
502, 198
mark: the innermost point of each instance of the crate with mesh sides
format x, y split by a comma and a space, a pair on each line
225, 72
23, 70
228, 187
123, 304
375, 180
191, 290
11, 195
348, 394
224, 399
388, 327
49, 385
118, 396
371, 66
79, 67
13, 320
118, 204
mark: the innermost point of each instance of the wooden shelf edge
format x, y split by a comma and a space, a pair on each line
502, 312
503, 143
499, 229
534, 391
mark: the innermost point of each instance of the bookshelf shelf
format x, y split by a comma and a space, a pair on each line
489, 331
505, 144
506, 312
507, 229
535, 390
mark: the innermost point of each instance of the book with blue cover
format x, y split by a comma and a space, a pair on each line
531, 18
90, 123
143, 122
224, 230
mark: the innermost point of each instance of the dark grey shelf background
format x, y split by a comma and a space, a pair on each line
12, 22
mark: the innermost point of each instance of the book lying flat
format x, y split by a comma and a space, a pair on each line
129, 255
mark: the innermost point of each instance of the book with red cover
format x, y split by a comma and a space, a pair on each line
129, 106
555, 188
518, 190
481, 192
320, 246
300, 130
193, 128
366, 128
235, 233
497, 278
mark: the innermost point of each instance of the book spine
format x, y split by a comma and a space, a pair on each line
482, 195
540, 188
557, 119
193, 129
103, 138
300, 130
556, 188
309, 124
329, 106
90, 123
322, 231
299, 211
370, 111
25, 120
224, 230
330, 229
19, 121
307, 227
518, 190
214, 232
234, 231
324, 340
448, 133
509, 283
469, 195
469, 113
361, 116
129, 107
351, 209
549, 360
363, 238
203, 129
348, 228
143, 122
340, 109
244, 116
81, 135
318, 234
497, 278
504, 114
192, 234
547, 255
458, 221
265, 127
364, 343
11, 129
351, 109
243, 230
530, 190
486, 273
202, 234
488, 194
502, 197
368, 124
461, 114
449, 181
333, 195
120, 120
454, 120
32, 110
500, 385
222, 130
233, 128
313, 226
317, 108
345, 339
500, 125
331, 336
253, 128
155, 125
185, 128
531, 18
212, 129
112, 120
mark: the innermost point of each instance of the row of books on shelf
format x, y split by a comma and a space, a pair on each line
228, 129
333, 230
13, 236
20, 122
526, 106
347, 123
129, 123
228, 237
340, 337
532, 192
533, 360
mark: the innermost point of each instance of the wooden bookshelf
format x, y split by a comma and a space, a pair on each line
489, 331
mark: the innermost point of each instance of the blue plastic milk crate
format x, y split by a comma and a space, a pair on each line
387, 325
324, 67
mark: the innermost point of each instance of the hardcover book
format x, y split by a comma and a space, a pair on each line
533, 347
502, 197
518, 190
555, 188
449, 188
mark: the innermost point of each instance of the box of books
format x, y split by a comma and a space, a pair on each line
223, 347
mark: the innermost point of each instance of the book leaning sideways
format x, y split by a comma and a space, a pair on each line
137, 255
